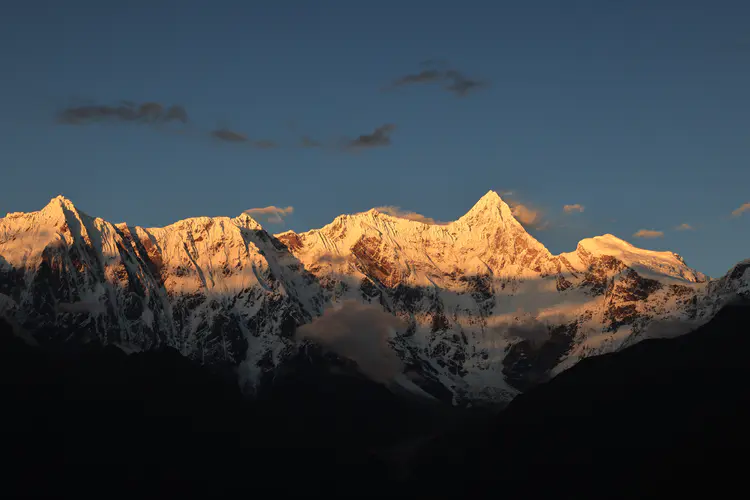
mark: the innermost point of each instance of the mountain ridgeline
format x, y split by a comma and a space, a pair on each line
473, 311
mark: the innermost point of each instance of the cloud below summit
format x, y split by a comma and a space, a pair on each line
360, 332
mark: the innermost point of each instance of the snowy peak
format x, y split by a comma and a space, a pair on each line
60, 201
489, 210
646, 262
245, 221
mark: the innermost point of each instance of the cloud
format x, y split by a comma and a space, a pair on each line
126, 111
270, 214
743, 208
425, 76
569, 209
648, 233
360, 332
453, 80
229, 135
529, 329
461, 85
527, 216
684, 227
406, 214
381, 136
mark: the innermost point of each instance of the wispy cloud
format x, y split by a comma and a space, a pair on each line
461, 84
150, 113
380, 137
742, 209
684, 227
227, 135
453, 80
270, 214
648, 233
406, 214
569, 209
126, 111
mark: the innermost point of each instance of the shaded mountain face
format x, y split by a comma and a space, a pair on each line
664, 415
482, 310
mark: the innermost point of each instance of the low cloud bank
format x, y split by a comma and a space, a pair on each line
360, 332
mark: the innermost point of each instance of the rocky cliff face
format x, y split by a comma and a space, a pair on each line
486, 310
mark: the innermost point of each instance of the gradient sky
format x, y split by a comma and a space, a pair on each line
636, 110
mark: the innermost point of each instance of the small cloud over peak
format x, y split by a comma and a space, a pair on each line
270, 214
648, 233
527, 216
684, 227
394, 211
742, 209
577, 207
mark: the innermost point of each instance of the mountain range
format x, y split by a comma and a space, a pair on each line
472, 311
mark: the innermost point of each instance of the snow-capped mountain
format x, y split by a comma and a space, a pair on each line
484, 310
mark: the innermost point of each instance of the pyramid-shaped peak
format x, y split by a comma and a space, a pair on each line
491, 196
59, 202
489, 206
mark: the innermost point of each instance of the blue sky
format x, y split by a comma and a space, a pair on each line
636, 110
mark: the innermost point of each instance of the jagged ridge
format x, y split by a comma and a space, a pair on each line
487, 310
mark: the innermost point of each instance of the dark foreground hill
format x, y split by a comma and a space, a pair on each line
155, 422
665, 415
659, 417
